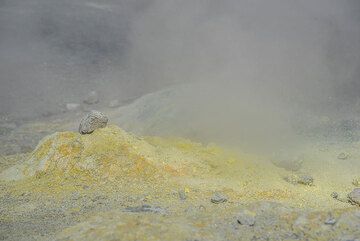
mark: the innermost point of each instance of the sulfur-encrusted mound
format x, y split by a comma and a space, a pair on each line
107, 153
117, 158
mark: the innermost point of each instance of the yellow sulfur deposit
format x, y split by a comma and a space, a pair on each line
114, 185
111, 155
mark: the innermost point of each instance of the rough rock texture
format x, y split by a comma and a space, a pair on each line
354, 196
303, 179
343, 156
92, 121
218, 198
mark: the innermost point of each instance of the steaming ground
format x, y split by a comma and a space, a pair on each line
229, 120
54, 53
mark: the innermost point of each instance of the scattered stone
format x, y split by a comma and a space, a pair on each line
330, 220
92, 98
334, 195
72, 106
343, 156
246, 217
354, 196
356, 182
145, 208
218, 198
303, 179
94, 120
114, 103
306, 180
182, 195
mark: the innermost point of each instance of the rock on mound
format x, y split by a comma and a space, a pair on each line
107, 153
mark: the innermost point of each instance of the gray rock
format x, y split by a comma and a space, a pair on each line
334, 195
145, 208
303, 179
343, 156
92, 98
72, 106
114, 103
306, 180
92, 121
354, 196
330, 220
218, 198
246, 217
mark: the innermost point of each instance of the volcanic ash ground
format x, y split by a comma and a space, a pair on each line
111, 184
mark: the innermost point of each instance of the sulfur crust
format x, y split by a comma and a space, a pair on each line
111, 157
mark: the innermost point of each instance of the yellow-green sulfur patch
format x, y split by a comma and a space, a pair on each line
111, 157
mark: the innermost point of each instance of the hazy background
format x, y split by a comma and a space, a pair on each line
271, 61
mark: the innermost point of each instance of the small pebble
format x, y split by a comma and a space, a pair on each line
218, 198
330, 220
354, 196
94, 120
92, 98
72, 106
300, 179
343, 156
145, 208
246, 217
306, 180
334, 195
